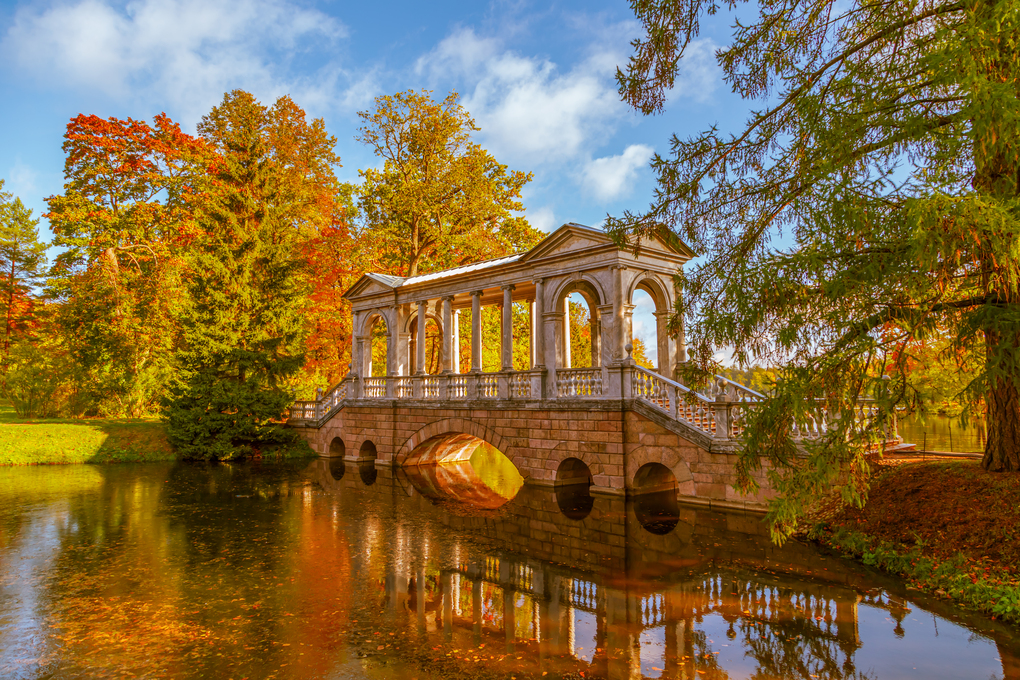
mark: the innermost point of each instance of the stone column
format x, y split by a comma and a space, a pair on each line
476, 331
619, 314
566, 333
538, 325
532, 332
419, 358
448, 334
392, 362
595, 324
456, 341
663, 359
362, 360
508, 328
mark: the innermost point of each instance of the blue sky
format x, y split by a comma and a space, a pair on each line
537, 77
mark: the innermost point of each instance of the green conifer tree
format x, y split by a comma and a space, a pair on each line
244, 326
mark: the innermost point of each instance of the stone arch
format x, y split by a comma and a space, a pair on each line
586, 285
663, 455
459, 426
368, 450
368, 319
565, 450
653, 285
337, 448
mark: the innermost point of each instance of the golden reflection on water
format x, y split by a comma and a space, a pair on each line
194, 571
495, 470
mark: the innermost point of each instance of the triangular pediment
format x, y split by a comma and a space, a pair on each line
576, 238
372, 284
570, 238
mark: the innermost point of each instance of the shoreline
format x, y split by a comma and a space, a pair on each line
946, 527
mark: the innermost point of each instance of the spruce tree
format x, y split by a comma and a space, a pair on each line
243, 328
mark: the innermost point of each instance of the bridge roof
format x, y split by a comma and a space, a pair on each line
568, 242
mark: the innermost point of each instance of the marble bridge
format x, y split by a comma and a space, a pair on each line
613, 424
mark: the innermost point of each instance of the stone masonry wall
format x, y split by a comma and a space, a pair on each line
614, 444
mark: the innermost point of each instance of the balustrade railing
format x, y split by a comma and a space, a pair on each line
488, 386
375, 388
579, 382
458, 387
520, 386
403, 388
430, 387
719, 409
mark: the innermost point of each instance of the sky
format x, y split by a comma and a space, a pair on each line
538, 78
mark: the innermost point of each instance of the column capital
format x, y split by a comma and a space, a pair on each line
508, 286
538, 280
619, 266
477, 293
447, 298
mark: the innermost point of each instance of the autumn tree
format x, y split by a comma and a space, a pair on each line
22, 266
439, 200
336, 256
244, 325
869, 200
124, 215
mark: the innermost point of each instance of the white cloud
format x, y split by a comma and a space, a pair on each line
699, 73
528, 110
542, 219
461, 53
178, 53
612, 177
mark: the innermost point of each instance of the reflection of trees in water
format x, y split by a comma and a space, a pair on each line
792, 648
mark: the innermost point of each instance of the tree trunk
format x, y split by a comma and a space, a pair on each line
1002, 448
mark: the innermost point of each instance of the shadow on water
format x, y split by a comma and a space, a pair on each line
275, 570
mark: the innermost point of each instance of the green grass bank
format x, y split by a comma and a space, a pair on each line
94, 440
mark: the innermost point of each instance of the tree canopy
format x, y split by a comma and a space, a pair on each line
868, 204
440, 200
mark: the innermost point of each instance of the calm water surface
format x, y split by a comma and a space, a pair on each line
317, 570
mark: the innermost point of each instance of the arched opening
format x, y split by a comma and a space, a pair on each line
655, 492
573, 489
644, 331
367, 451
579, 330
378, 352
579, 336
337, 449
433, 346
461, 467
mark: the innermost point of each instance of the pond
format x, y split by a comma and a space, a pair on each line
323, 570
943, 433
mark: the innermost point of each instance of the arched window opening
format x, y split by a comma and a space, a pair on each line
655, 501
579, 326
379, 353
644, 330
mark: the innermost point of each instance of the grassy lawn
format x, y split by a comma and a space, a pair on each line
91, 440
94, 440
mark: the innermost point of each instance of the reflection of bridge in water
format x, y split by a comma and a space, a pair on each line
602, 593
